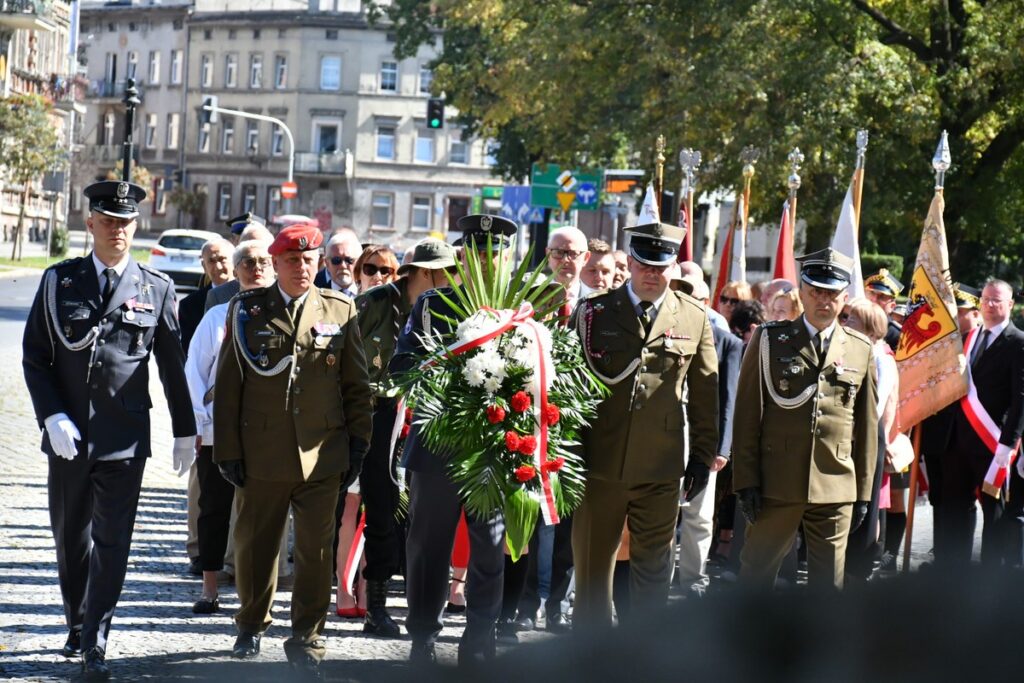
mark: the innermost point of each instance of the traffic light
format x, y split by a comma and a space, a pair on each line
435, 113
209, 115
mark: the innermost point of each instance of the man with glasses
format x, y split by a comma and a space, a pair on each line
882, 288
90, 332
567, 255
805, 431
244, 228
383, 312
341, 254
986, 430
644, 341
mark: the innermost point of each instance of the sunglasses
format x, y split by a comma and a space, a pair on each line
250, 263
338, 260
369, 270
728, 300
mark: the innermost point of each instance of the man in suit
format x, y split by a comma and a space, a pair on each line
644, 341
247, 227
882, 288
291, 422
996, 360
805, 432
341, 254
88, 339
434, 503
567, 256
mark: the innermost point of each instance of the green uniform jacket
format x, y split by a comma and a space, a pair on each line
293, 425
383, 311
638, 436
822, 451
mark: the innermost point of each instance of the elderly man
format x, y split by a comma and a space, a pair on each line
291, 421
599, 273
253, 230
92, 328
567, 255
341, 254
691, 272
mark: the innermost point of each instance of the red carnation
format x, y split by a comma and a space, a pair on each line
520, 401
408, 415
405, 431
553, 465
512, 441
495, 414
525, 473
527, 445
551, 414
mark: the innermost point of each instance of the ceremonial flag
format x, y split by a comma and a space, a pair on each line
686, 248
845, 241
649, 212
785, 265
733, 262
930, 355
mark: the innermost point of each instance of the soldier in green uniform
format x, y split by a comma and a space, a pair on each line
805, 431
291, 421
644, 341
383, 312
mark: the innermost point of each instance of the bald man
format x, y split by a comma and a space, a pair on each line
567, 254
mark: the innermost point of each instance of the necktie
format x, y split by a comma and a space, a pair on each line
817, 341
293, 310
979, 348
109, 285
645, 315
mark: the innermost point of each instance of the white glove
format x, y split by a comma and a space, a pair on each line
1002, 457
184, 454
63, 434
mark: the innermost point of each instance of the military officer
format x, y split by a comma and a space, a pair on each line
383, 312
805, 430
291, 417
882, 288
644, 341
89, 335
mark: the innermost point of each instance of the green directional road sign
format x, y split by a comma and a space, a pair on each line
549, 181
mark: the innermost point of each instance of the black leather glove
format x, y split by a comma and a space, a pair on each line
357, 449
860, 512
695, 479
750, 503
233, 471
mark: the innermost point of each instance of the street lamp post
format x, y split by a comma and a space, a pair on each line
131, 100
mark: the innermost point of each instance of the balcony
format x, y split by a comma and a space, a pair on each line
327, 163
103, 154
103, 89
29, 15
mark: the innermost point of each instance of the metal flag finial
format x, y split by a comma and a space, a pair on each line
689, 161
796, 160
862, 146
941, 161
749, 157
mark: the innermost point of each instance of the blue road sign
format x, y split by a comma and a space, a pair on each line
586, 194
515, 203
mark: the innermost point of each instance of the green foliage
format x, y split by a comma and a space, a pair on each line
140, 176
59, 241
588, 83
189, 202
870, 263
29, 144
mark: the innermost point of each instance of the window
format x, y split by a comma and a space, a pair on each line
280, 71
112, 27
326, 135
206, 71
426, 79
223, 201
421, 213
273, 201
252, 139
380, 211
232, 34
256, 33
108, 128
458, 151
133, 64
207, 35
154, 67
204, 139
159, 197
151, 123
330, 72
248, 198
332, 34
386, 142
424, 147
173, 123
256, 71
490, 152
178, 24
175, 75
389, 77
228, 137
230, 71
276, 141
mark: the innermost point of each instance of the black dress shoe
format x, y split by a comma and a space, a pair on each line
73, 645
94, 668
306, 667
195, 567
247, 645
206, 605
558, 623
422, 653
506, 632
525, 623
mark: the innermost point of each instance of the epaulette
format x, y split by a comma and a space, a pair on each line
696, 303
857, 335
250, 293
596, 293
776, 323
150, 269
66, 262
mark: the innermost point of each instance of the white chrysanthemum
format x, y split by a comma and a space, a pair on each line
492, 384
476, 326
474, 375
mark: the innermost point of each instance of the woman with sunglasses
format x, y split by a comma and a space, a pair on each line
734, 292
376, 266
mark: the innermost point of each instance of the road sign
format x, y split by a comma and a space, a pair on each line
515, 203
565, 200
289, 190
548, 181
536, 215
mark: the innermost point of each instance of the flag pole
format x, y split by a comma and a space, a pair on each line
689, 161
749, 157
940, 163
796, 159
659, 171
858, 176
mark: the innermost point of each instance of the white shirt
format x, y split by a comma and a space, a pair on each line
100, 266
826, 334
994, 332
635, 300
575, 293
201, 367
350, 291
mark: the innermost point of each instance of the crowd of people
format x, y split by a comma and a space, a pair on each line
755, 432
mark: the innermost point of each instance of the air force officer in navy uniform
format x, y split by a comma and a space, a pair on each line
92, 327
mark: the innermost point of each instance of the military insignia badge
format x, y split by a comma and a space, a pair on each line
129, 315
264, 361
331, 360
783, 385
783, 337
122, 190
794, 369
66, 282
839, 367
254, 310
485, 223
303, 242
378, 362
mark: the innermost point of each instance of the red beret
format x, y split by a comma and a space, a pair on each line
297, 237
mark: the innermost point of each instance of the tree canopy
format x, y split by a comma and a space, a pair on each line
593, 82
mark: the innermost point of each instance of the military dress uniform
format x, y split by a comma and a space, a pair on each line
634, 449
805, 436
885, 283
86, 358
293, 399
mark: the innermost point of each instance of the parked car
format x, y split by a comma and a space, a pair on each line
177, 253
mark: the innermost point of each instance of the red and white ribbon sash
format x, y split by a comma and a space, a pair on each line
983, 425
355, 553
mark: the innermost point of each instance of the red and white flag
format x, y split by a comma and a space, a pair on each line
845, 241
686, 248
785, 264
732, 265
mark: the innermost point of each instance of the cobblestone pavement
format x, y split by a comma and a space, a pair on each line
154, 635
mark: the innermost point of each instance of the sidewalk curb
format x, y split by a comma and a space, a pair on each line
10, 272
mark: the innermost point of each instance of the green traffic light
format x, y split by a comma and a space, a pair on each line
435, 123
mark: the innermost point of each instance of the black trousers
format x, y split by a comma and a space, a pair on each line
561, 564
434, 509
92, 515
216, 495
380, 499
863, 545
